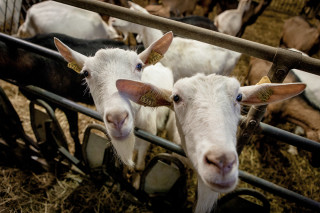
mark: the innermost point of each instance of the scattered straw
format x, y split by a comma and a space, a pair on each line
25, 191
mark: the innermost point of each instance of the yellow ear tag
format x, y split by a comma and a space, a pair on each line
148, 99
73, 65
154, 57
264, 80
264, 94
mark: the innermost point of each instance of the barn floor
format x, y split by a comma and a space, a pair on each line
27, 191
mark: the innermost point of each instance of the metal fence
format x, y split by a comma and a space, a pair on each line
13, 13
283, 60
10, 15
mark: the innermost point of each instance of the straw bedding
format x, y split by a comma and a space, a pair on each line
27, 191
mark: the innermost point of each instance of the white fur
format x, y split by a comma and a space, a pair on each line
312, 92
120, 115
207, 110
54, 17
230, 21
207, 118
106, 67
192, 56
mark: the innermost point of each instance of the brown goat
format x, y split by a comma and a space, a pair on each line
299, 34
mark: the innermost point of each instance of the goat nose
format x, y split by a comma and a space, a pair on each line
224, 162
117, 119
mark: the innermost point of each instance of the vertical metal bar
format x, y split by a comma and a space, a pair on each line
12, 16
5, 16
282, 63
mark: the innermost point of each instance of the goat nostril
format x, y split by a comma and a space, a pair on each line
225, 163
228, 167
109, 118
123, 118
117, 119
216, 163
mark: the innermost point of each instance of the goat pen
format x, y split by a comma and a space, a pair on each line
283, 61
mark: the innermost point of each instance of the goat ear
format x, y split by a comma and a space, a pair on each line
267, 93
144, 94
76, 60
154, 53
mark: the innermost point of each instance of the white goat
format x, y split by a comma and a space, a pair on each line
55, 17
119, 115
230, 21
192, 56
207, 110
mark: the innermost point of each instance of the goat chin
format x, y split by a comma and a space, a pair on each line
124, 149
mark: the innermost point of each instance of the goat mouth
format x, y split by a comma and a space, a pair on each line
121, 136
223, 186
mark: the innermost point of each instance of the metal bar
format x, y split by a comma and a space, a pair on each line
282, 63
12, 17
53, 98
159, 141
72, 159
278, 190
262, 51
31, 47
5, 17
290, 138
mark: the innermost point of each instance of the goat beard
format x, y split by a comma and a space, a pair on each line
124, 149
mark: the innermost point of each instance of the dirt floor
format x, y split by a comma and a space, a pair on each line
27, 191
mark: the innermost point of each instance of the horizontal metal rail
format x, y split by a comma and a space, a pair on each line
290, 138
61, 101
10, 40
266, 185
159, 141
262, 51
278, 190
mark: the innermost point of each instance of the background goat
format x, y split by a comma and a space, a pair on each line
55, 17
192, 56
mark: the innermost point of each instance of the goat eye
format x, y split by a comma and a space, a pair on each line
176, 98
239, 97
86, 73
139, 67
